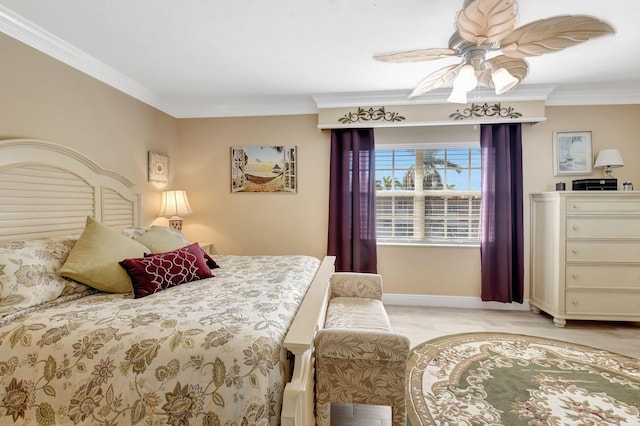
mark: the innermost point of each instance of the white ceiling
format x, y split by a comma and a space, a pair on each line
207, 58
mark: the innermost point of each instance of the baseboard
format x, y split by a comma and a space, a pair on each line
462, 302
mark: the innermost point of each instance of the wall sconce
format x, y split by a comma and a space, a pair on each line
175, 204
607, 160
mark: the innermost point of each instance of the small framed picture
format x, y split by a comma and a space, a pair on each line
572, 153
158, 167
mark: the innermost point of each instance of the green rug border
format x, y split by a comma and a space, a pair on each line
501, 334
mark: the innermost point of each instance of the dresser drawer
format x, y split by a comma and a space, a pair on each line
600, 303
602, 251
602, 276
603, 227
607, 205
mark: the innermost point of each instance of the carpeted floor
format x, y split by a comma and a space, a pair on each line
513, 379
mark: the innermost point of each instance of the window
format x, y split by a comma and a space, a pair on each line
428, 194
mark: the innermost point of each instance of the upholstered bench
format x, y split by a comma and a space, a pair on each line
359, 359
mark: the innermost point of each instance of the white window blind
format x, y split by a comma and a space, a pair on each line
428, 194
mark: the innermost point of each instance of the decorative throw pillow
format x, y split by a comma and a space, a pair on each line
210, 262
161, 239
157, 272
94, 259
138, 231
28, 273
135, 231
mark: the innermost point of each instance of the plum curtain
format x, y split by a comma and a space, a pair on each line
352, 201
502, 239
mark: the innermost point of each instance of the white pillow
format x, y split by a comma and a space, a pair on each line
134, 232
161, 239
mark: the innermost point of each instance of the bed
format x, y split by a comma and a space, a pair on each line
231, 345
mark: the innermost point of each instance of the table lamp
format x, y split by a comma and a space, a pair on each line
607, 160
175, 204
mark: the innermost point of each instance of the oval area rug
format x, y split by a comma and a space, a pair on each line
512, 379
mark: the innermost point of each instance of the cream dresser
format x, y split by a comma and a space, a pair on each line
585, 255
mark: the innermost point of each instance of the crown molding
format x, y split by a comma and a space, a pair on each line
438, 96
40, 39
623, 93
246, 107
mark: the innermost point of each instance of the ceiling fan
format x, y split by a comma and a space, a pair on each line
485, 27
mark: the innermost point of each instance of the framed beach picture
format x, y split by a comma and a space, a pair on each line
264, 169
572, 153
158, 167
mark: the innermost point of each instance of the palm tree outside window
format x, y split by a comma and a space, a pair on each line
428, 194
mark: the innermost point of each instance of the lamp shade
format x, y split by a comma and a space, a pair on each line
464, 82
608, 158
466, 79
503, 81
175, 203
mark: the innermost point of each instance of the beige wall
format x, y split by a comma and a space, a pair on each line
236, 222
255, 223
245, 223
611, 126
41, 98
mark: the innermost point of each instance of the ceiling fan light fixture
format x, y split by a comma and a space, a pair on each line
466, 79
503, 80
487, 26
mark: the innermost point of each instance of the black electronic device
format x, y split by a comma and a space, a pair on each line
595, 185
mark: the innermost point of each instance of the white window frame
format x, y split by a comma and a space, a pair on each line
419, 197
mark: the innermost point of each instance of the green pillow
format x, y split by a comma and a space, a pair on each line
94, 258
161, 240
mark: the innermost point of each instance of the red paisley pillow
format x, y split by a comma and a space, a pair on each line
210, 262
160, 271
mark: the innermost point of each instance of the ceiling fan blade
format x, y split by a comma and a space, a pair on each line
553, 34
487, 21
517, 67
415, 55
436, 79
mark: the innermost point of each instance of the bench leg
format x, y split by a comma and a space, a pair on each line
323, 413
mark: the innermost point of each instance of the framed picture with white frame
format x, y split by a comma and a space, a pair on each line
572, 153
158, 167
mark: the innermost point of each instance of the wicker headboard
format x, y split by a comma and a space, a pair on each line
47, 189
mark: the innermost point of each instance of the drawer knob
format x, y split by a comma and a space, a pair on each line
575, 251
576, 205
574, 302
575, 227
574, 275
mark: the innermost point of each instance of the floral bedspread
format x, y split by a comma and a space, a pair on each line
208, 352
